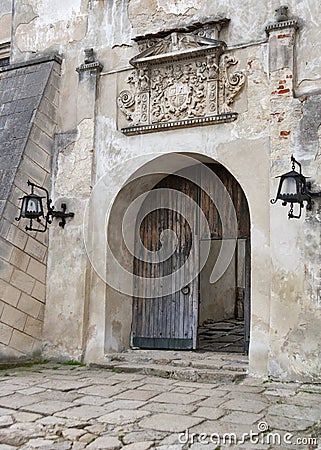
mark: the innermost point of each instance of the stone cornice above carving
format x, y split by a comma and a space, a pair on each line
177, 46
280, 25
91, 66
209, 27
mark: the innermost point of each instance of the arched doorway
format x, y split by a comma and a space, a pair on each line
185, 235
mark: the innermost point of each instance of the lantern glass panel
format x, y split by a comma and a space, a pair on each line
289, 186
32, 207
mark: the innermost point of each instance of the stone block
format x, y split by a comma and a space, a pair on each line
29, 305
73, 434
11, 211
39, 291
21, 342
22, 281
91, 400
41, 139
9, 294
46, 407
36, 153
4, 228
45, 123
239, 404
5, 270
47, 108
41, 314
137, 394
5, 333
140, 445
105, 442
2, 206
83, 412
170, 408
32, 171
5, 421
26, 417
13, 317
37, 270
122, 416
33, 327
288, 424
294, 412
87, 438
36, 249
209, 413
5, 250
170, 422
17, 237
19, 259
181, 399
52, 93
42, 237
10, 353
243, 417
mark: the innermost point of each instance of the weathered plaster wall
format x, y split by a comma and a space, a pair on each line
295, 308
5, 20
271, 125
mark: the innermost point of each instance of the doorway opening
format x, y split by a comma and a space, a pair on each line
221, 324
197, 313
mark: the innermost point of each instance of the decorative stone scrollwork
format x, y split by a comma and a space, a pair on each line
178, 79
230, 84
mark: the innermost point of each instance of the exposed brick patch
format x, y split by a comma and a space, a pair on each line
284, 134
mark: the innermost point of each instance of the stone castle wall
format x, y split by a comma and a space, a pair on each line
29, 95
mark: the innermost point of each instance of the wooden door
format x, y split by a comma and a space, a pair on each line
166, 295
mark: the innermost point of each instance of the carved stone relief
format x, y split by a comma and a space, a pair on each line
181, 79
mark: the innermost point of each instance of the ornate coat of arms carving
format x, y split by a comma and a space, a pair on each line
181, 79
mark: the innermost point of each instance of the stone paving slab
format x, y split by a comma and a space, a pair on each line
87, 408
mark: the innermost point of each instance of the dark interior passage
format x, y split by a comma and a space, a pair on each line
221, 303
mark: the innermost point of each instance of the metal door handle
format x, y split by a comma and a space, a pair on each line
185, 290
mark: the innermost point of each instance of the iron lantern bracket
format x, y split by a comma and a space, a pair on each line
302, 193
51, 212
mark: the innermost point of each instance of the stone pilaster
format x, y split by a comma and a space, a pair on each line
281, 42
75, 150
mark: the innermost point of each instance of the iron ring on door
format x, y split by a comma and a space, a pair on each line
185, 290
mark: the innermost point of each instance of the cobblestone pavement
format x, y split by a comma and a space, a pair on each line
75, 407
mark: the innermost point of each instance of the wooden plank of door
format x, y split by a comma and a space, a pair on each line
247, 296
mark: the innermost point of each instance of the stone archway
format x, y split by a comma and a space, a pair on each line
169, 318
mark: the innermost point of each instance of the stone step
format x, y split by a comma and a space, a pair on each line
179, 372
182, 365
197, 360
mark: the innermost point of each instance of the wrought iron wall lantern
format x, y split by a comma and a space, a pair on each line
32, 209
294, 188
